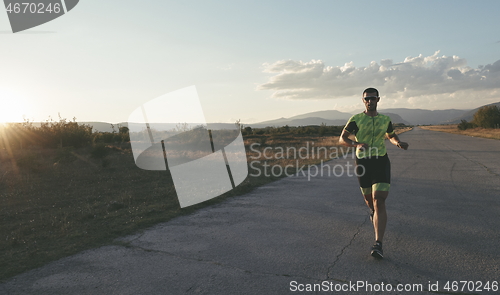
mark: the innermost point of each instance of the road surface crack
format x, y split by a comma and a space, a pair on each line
330, 268
477, 163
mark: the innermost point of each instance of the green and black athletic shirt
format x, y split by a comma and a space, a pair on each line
372, 131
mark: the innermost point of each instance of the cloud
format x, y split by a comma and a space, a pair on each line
432, 76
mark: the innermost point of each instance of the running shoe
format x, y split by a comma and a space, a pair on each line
377, 250
371, 215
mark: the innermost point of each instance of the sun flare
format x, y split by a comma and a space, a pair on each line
12, 107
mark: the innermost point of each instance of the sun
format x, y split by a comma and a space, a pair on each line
13, 108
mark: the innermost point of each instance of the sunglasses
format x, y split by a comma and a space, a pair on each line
367, 98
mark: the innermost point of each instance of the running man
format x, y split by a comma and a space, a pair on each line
372, 162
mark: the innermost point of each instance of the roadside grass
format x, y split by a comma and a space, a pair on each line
475, 132
58, 202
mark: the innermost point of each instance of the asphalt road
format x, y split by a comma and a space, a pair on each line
444, 226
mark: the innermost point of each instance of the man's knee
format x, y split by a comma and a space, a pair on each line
368, 197
380, 196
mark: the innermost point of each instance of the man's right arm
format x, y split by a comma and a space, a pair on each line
346, 141
350, 128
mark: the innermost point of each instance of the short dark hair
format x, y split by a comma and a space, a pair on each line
370, 90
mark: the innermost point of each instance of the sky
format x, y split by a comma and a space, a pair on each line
251, 60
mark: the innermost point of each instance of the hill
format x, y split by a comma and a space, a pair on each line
330, 118
426, 117
469, 115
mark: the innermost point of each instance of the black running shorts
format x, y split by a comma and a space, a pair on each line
374, 174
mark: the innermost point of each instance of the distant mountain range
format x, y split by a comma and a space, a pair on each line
331, 118
107, 127
469, 115
398, 115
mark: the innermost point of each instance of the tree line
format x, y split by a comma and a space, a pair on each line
485, 117
65, 133
56, 134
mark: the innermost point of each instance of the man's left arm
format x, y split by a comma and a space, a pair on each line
394, 138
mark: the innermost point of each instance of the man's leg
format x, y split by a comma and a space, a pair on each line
365, 181
380, 216
380, 191
369, 202
367, 194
